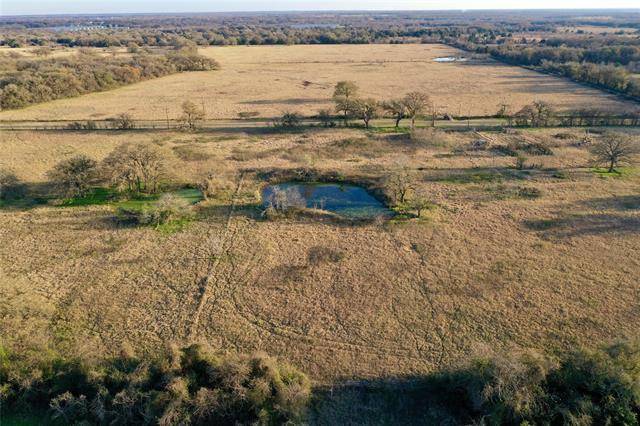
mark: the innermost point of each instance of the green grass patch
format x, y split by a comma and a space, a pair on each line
96, 196
390, 130
620, 172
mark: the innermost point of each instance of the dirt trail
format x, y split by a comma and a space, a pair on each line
211, 275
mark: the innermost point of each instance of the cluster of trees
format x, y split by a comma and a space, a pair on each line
24, 82
543, 114
188, 386
349, 105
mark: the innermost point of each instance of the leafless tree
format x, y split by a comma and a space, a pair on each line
344, 95
366, 110
192, 116
136, 167
400, 183
415, 104
396, 108
614, 149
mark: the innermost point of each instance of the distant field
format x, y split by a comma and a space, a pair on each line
272, 79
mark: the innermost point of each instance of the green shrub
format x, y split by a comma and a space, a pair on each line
168, 208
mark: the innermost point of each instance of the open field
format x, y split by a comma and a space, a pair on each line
272, 79
486, 267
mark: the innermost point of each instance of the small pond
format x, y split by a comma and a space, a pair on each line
450, 59
350, 201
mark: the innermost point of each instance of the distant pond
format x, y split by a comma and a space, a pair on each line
450, 59
350, 201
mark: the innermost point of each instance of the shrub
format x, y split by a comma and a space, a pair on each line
10, 186
168, 208
74, 176
520, 162
123, 121
432, 138
189, 386
599, 386
285, 199
537, 149
289, 120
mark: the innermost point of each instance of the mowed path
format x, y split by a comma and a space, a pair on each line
269, 80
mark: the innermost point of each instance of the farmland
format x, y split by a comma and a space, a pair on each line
269, 80
159, 263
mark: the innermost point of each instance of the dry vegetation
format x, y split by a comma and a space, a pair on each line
545, 257
273, 79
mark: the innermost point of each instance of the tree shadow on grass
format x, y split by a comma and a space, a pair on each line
576, 225
621, 203
415, 400
476, 175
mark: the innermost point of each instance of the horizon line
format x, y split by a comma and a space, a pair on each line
284, 11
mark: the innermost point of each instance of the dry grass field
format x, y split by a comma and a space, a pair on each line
272, 79
486, 267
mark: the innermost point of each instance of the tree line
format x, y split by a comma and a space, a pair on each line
27, 81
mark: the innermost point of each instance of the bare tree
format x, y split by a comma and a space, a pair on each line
74, 176
614, 149
123, 121
400, 183
344, 95
136, 167
192, 116
415, 104
366, 110
396, 108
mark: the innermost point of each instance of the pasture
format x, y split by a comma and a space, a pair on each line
269, 80
546, 257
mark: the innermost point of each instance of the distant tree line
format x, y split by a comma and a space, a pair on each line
28, 81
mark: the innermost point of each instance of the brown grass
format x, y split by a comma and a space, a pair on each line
486, 267
274, 79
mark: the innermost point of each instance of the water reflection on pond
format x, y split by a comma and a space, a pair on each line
350, 201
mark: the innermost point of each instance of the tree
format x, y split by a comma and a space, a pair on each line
74, 175
192, 116
396, 108
415, 103
136, 167
614, 149
544, 113
123, 121
400, 183
344, 95
366, 110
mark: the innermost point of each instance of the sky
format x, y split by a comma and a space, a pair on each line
35, 7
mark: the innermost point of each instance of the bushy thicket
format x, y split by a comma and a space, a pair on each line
585, 387
24, 82
188, 386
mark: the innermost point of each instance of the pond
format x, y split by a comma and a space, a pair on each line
349, 201
450, 59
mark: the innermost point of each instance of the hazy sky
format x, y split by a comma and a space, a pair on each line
14, 7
